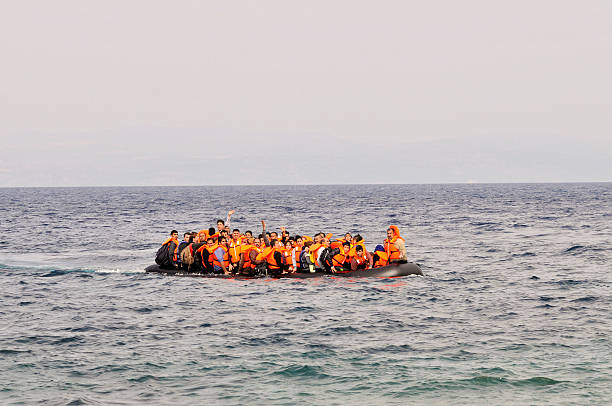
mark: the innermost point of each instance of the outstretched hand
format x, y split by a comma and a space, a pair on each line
263, 224
229, 213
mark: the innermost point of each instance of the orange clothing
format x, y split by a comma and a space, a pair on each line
235, 250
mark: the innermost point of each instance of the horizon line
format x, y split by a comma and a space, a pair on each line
312, 184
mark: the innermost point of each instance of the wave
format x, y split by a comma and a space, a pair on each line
581, 249
50, 271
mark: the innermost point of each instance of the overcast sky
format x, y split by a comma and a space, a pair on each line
300, 92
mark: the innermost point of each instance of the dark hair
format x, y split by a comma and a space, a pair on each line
210, 239
359, 248
191, 237
297, 236
346, 243
186, 234
308, 243
235, 229
173, 231
348, 234
358, 238
220, 221
211, 231
248, 231
273, 242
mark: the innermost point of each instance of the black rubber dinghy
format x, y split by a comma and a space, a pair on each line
388, 271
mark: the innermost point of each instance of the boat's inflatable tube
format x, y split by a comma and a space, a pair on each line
383, 272
388, 271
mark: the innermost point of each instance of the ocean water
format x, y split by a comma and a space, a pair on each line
514, 308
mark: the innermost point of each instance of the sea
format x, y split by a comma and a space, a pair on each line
515, 305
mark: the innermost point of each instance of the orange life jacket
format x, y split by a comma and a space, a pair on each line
314, 251
391, 249
258, 250
298, 254
211, 250
339, 259
336, 244
361, 259
235, 250
354, 245
226, 256
246, 251
202, 248
268, 256
290, 256
383, 259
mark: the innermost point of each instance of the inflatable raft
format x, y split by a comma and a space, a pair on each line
383, 272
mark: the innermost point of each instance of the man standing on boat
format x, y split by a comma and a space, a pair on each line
224, 225
395, 246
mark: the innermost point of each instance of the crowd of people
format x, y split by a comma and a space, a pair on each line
222, 251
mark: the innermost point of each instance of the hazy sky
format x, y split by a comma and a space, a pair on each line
293, 92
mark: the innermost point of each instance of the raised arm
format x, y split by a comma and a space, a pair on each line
265, 237
229, 217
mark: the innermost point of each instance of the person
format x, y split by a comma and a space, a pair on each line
221, 257
235, 249
201, 258
185, 252
167, 256
289, 253
362, 259
284, 235
315, 251
273, 257
348, 237
298, 243
202, 236
342, 260
245, 266
225, 234
264, 237
324, 256
306, 262
221, 225
256, 265
187, 239
211, 246
379, 257
395, 246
